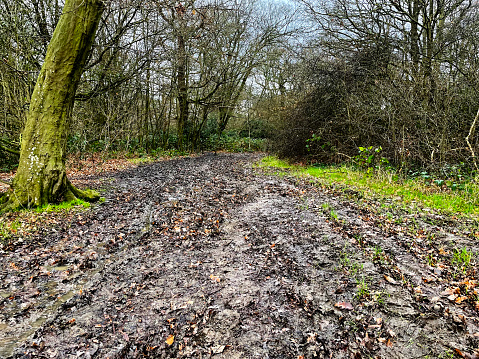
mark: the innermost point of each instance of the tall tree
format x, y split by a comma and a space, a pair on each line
41, 175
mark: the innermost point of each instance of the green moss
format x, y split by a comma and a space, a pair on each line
63, 206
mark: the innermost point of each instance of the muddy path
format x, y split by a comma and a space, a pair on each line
208, 257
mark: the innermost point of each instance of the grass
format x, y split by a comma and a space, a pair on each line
362, 287
409, 193
351, 266
462, 258
64, 206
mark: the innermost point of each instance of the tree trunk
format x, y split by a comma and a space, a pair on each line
41, 176
182, 80
414, 46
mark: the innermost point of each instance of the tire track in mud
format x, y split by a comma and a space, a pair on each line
204, 257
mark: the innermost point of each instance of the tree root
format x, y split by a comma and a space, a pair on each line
10, 202
73, 193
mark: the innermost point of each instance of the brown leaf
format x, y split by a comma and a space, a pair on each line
390, 279
218, 349
448, 292
170, 339
452, 297
215, 278
459, 300
344, 305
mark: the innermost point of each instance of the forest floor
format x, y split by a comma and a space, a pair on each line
210, 256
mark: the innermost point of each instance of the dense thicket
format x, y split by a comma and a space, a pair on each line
401, 75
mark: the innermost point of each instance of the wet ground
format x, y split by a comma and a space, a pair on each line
208, 257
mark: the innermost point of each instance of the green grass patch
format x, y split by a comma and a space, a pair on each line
64, 206
271, 161
415, 193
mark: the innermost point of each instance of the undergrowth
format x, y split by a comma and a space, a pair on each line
406, 192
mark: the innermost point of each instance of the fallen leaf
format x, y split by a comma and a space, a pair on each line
449, 291
452, 297
344, 305
459, 300
170, 339
215, 278
390, 279
218, 349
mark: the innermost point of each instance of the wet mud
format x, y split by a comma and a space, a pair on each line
209, 257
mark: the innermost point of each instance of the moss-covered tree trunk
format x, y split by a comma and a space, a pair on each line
41, 176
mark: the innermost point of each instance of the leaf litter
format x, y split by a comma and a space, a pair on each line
209, 257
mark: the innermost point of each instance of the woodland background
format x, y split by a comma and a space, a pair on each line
393, 82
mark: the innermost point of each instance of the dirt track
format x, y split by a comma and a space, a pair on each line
206, 257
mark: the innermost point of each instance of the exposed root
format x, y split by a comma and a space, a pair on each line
11, 202
86, 195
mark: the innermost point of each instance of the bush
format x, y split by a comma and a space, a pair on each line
350, 108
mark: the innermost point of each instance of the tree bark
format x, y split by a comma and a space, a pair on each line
182, 79
41, 176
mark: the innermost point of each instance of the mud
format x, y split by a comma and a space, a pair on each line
208, 257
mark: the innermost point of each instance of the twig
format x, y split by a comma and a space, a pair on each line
471, 132
345, 155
